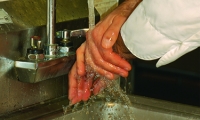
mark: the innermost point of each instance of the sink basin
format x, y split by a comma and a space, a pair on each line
141, 109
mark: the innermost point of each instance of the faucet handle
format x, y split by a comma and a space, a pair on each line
34, 41
66, 34
79, 32
66, 45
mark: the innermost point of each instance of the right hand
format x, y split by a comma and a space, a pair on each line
99, 52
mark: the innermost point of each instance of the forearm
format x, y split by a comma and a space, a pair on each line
120, 48
128, 6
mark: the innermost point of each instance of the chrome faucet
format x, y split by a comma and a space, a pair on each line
51, 46
58, 57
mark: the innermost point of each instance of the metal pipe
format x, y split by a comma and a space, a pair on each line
51, 47
50, 21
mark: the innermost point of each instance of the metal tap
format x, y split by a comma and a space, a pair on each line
57, 62
66, 45
50, 47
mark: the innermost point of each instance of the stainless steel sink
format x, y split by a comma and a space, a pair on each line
142, 109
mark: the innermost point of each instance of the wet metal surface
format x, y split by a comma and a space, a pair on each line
37, 71
31, 13
142, 108
29, 18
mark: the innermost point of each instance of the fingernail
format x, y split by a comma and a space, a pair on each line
107, 42
109, 76
81, 73
127, 69
123, 74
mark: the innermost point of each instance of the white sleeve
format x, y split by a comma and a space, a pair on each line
165, 29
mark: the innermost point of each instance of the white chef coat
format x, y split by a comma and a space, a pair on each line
165, 29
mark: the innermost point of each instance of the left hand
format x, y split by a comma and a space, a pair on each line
79, 87
81, 84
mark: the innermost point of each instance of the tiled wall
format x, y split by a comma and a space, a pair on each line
105, 6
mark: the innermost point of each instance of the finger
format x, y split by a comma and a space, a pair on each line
72, 93
108, 40
108, 69
106, 57
105, 68
81, 83
80, 60
97, 69
74, 100
115, 59
87, 91
88, 83
100, 29
112, 32
98, 86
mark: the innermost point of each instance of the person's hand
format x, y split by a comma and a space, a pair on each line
100, 40
79, 87
107, 30
82, 85
97, 53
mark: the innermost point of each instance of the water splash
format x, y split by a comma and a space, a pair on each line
112, 87
91, 14
113, 93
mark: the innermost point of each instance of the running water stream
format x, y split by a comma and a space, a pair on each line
112, 86
91, 14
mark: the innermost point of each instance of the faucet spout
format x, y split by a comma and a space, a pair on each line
58, 51
51, 18
51, 47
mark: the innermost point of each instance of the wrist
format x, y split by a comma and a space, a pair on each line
120, 48
128, 6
